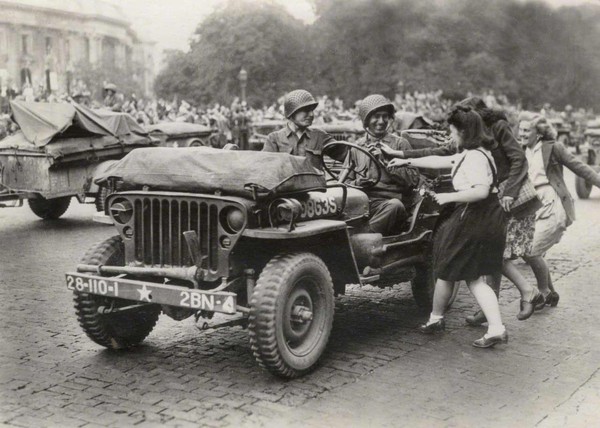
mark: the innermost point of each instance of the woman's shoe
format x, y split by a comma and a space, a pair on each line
433, 327
489, 341
542, 303
552, 299
477, 319
529, 306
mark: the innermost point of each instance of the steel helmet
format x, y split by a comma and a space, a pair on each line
372, 103
110, 87
296, 100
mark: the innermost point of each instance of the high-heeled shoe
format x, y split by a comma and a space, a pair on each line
540, 305
552, 299
529, 306
477, 319
489, 341
434, 327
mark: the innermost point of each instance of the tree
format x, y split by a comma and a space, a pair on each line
525, 50
263, 38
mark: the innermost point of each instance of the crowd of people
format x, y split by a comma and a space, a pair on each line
230, 121
509, 201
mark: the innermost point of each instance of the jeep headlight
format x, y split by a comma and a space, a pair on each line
232, 219
121, 210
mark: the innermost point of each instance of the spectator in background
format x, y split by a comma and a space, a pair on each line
112, 100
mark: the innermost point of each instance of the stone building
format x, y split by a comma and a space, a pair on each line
43, 42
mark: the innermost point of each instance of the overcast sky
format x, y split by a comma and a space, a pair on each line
171, 22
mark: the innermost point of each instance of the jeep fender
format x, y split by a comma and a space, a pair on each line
328, 239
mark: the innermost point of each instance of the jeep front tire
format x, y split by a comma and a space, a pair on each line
291, 314
115, 330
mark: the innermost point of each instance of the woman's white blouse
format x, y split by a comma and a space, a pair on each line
474, 171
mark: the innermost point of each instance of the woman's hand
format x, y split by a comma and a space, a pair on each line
506, 202
398, 162
443, 198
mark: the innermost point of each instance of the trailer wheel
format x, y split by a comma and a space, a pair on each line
117, 330
583, 188
291, 314
49, 209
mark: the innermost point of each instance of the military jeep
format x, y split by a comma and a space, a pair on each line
264, 235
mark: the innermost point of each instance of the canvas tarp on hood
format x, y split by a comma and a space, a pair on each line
208, 170
41, 122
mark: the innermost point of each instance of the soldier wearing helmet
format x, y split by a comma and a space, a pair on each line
387, 211
112, 100
297, 138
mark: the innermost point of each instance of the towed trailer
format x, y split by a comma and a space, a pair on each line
58, 151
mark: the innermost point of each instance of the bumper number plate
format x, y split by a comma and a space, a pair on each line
150, 292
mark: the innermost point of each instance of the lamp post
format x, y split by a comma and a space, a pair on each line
243, 78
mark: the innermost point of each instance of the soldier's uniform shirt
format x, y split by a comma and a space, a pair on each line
308, 143
394, 181
386, 209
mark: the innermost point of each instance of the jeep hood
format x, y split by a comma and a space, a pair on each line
206, 170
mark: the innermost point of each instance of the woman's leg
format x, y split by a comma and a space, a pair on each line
510, 271
441, 296
488, 302
494, 282
541, 272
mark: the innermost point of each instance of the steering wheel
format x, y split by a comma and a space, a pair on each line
350, 168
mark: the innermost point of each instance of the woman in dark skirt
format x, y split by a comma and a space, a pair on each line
469, 243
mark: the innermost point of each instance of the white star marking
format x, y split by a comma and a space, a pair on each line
144, 293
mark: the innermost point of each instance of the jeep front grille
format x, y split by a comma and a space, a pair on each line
158, 225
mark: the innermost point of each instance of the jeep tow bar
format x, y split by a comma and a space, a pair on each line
188, 274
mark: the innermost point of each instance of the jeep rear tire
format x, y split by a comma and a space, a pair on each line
49, 209
117, 330
583, 188
291, 314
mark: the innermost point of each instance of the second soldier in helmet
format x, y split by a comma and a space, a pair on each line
297, 137
387, 199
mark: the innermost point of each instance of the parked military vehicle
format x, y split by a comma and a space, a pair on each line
339, 130
58, 151
590, 153
260, 130
208, 232
182, 134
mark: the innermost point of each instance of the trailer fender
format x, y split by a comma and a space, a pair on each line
100, 169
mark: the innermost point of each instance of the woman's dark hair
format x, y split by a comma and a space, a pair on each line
471, 127
489, 116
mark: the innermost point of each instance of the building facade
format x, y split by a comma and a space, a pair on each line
44, 43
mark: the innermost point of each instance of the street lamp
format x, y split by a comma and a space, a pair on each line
243, 77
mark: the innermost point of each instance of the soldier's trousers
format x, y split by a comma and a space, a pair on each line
386, 215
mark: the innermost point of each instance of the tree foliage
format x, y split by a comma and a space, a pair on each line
526, 50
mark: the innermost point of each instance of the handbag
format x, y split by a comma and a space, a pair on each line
527, 201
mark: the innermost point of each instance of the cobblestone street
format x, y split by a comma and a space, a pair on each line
378, 369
